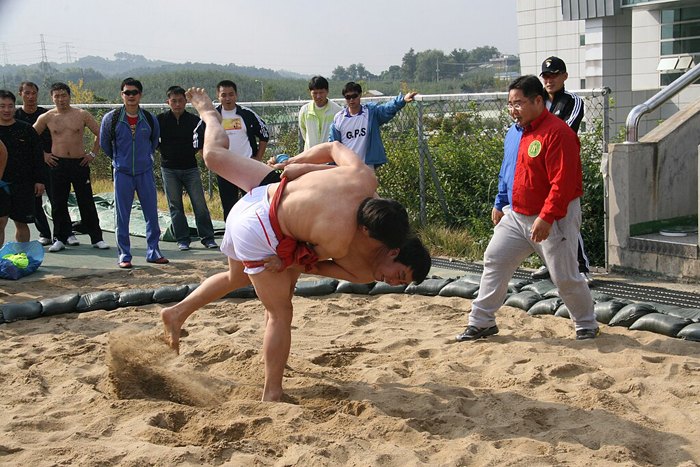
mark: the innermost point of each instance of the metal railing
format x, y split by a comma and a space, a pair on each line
656, 101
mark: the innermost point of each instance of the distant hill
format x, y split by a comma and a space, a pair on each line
93, 68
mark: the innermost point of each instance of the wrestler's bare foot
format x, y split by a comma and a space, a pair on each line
171, 327
200, 100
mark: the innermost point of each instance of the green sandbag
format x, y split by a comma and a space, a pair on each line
59, 305
244, 292
516, 285
631, 313
351, 287
604, 311
693, 314
20, 311
600, 297
691, 332
191, 288
459, 289
660, 324
384, 288
523, 300
135, 297
470, 278
540, 287
429, 287
547, 306
315, 288
562, 312
97, 301
169, 293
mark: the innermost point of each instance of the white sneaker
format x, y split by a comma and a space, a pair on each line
101, 245
73, 241
57, 246
45, 241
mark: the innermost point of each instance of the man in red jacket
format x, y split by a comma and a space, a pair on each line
538, 209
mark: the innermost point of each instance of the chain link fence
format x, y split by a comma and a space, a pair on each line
444, 152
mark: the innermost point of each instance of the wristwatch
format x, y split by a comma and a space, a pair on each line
92, 154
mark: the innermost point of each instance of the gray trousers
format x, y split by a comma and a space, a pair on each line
511, 244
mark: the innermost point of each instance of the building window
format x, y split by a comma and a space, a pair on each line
680, 31
679, 42
582, 40
583, 83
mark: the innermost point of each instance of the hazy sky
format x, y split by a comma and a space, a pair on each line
276, 34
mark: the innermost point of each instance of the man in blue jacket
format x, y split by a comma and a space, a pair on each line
129, 136
357, 126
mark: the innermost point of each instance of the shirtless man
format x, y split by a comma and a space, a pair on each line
326, 212
70, 165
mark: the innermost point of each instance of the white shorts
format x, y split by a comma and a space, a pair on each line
249, 235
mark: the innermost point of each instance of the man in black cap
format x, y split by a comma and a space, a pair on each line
568, 107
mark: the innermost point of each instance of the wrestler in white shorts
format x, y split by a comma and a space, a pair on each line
249, 235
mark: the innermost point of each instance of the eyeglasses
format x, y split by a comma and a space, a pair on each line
131, 92
351, 96
517, 105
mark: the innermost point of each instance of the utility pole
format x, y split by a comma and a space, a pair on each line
262, 89
44, 59
437, 70
4, 53
68, 46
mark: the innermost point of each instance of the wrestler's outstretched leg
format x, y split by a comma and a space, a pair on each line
244, 172
275, 291
211, 289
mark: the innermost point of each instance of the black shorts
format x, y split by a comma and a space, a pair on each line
273, 177
19, 204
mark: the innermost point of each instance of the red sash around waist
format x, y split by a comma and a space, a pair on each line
289, 249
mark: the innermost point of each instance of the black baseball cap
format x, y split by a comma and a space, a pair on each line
553, 65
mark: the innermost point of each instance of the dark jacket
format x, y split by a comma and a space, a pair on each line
569, 107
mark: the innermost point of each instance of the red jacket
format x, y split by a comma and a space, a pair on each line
548, 172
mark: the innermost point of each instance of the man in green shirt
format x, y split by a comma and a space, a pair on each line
315, 118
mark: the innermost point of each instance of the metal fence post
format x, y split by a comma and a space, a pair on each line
421, 163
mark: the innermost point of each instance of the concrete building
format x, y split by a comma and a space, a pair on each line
634, 47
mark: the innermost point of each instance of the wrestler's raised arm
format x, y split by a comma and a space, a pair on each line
324, 153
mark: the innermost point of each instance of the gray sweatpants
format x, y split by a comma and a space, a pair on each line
511, 244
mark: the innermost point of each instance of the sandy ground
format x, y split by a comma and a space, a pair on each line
371, 381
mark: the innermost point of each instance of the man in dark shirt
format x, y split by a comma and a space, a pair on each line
179, 145
23, 172
29, 112
568, 106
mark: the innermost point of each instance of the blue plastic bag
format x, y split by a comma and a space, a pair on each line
34, 251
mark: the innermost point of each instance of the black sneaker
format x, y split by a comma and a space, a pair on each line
473, 333
541, 273
587, 334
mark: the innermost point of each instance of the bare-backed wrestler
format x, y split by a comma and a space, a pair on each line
70, 165
334, 229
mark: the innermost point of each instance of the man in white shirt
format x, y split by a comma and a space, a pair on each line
247, 136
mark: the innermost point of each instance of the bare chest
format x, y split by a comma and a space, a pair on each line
66, 125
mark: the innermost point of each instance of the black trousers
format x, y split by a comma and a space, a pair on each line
229, 194
70, 172
40, 220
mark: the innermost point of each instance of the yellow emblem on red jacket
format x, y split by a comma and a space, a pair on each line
534, 149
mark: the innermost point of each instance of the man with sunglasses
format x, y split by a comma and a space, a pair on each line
130, 136
537, 209
357, 126
569, 107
